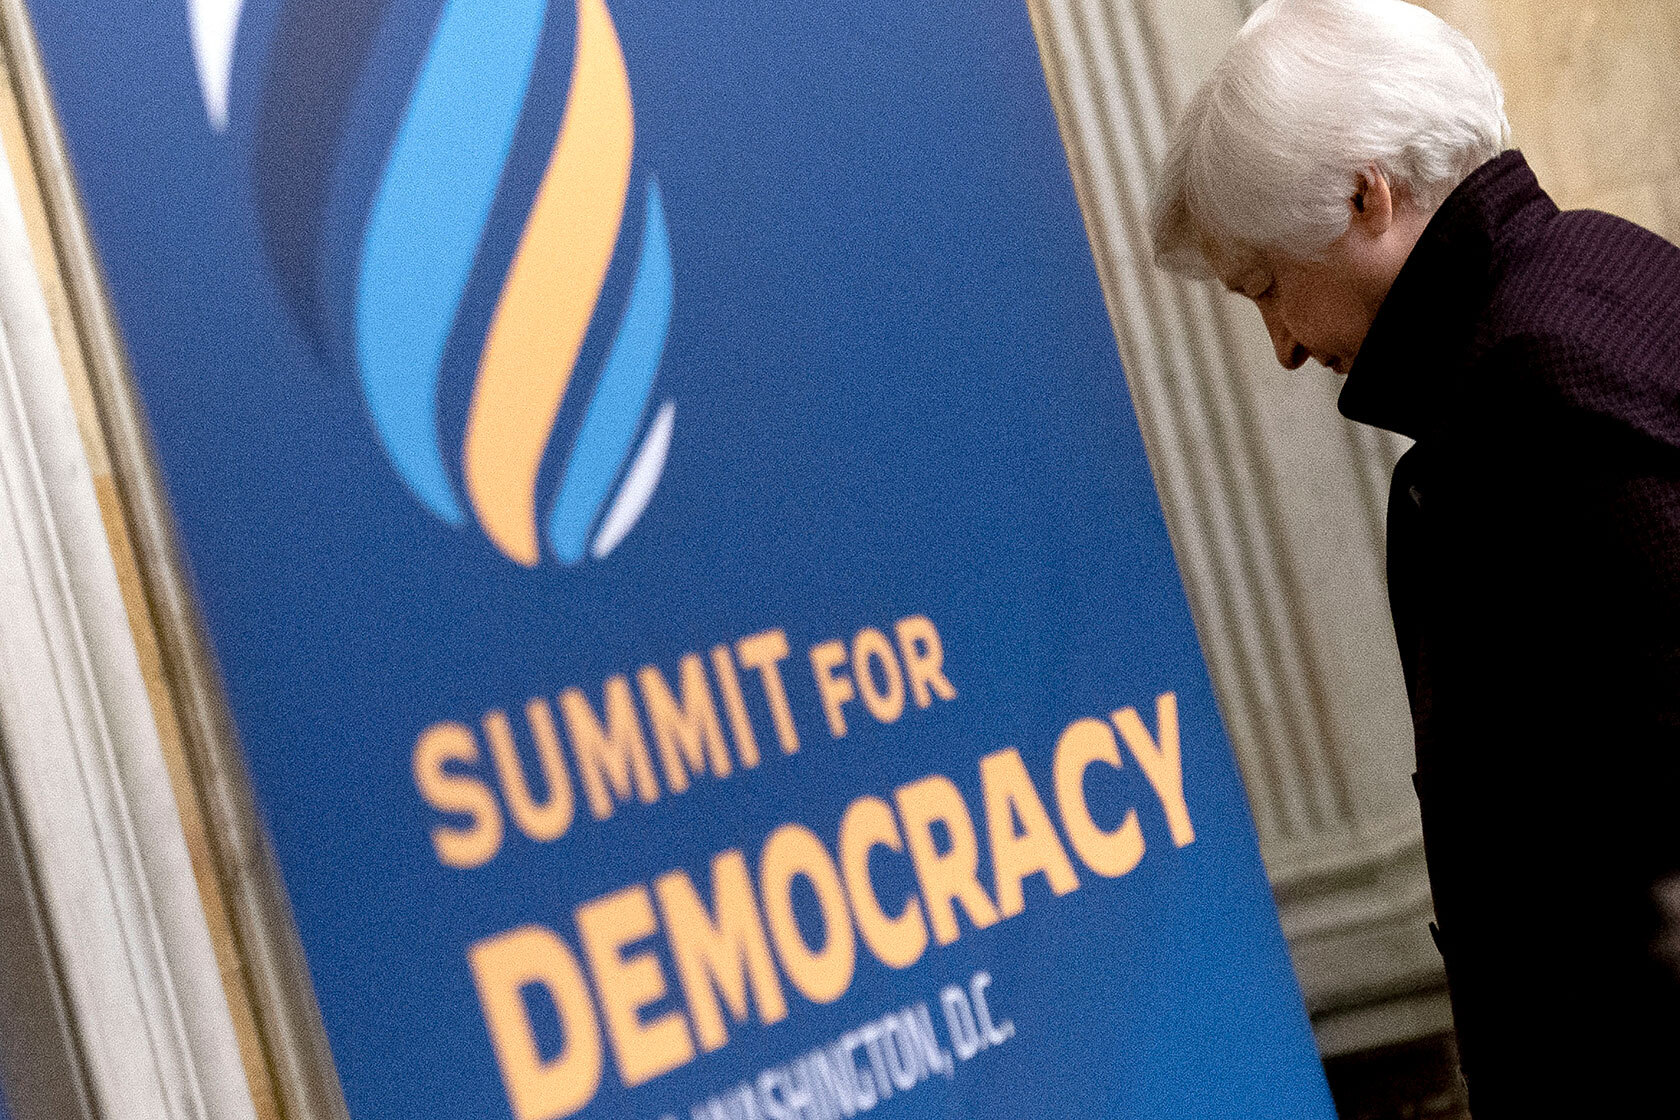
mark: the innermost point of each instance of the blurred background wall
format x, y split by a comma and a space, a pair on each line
1592, 88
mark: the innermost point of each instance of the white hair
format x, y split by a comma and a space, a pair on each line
1311, 95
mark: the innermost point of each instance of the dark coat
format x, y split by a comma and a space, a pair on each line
1534, 576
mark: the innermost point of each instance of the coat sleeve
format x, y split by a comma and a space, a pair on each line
1575, 501
1546, 573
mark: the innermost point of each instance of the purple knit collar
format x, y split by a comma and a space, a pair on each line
1411, 366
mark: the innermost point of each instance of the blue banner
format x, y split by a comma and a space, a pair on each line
682, 559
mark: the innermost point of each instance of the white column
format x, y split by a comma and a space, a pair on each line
1276, 509
280, 992
107, 891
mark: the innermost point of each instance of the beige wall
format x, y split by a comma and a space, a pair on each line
1592, 88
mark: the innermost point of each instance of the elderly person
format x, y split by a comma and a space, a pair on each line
1344, 167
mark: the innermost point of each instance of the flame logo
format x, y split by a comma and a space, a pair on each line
422, 240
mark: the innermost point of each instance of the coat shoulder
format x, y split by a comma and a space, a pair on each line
1584, 324
1591, 277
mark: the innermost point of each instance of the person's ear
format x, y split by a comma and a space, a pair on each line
1371, 206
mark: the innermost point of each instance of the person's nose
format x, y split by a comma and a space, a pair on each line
1290, 354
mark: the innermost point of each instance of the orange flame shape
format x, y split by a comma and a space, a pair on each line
551, 291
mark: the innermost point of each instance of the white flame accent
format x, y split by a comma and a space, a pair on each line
215, 23
640, 481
